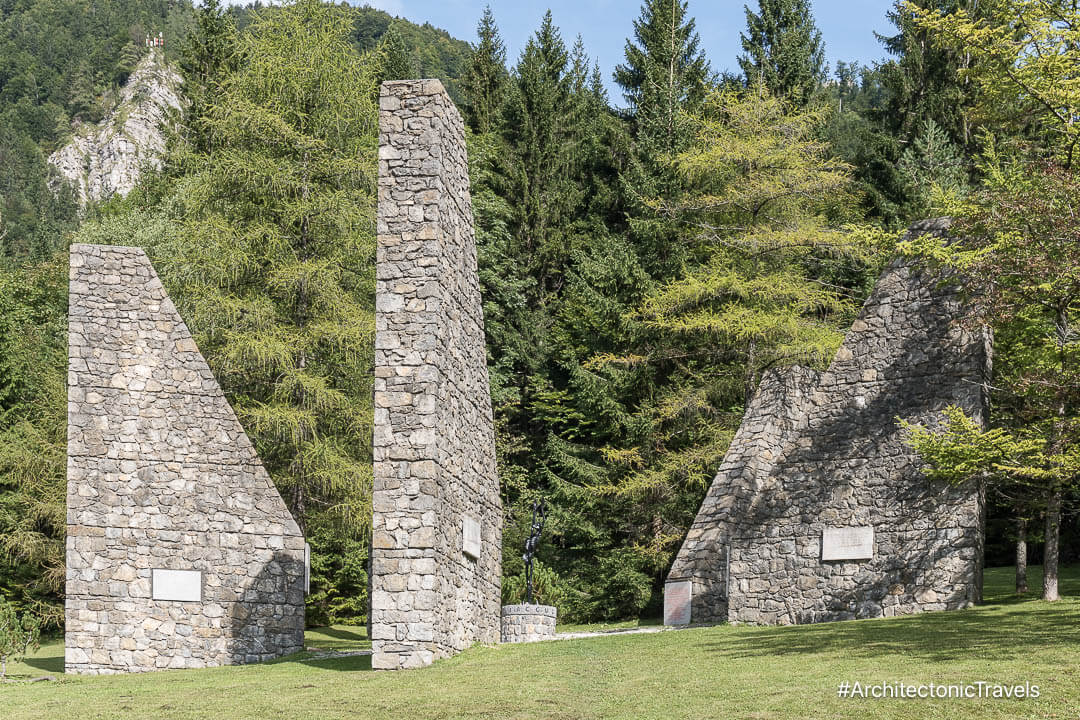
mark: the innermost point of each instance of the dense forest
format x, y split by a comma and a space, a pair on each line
644, 259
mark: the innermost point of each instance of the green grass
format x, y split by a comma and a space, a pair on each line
716, 672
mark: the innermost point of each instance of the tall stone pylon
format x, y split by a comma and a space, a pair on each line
180, 551
437, 528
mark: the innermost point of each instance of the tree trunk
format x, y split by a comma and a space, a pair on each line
1021, 556
1050, 553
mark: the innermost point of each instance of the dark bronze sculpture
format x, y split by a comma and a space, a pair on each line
539, 515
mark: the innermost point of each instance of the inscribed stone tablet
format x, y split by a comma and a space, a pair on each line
470, 536
847, 543
178, 585
677, 602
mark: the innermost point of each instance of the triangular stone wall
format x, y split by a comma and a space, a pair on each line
180, 551
819, 510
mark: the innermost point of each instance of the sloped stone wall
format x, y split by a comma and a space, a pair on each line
162, 476
822, 452
437, 527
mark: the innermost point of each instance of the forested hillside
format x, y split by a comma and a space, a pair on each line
641, 268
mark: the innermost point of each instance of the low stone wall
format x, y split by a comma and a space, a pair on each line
527, 623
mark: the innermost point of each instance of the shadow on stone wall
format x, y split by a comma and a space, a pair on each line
266, 620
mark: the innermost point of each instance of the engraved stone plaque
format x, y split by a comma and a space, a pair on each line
847, 543
470, 536
178, 585
677, 602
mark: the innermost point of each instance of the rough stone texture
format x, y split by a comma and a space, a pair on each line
162, 475
434, 442
527, 623
108, 158
819, 450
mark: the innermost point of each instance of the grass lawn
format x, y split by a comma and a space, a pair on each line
715, 672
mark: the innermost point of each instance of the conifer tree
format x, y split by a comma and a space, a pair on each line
207, 55
924, 81
783, 49
537, 128
397, 61
273, 267
762, 288
485, 78
664, 73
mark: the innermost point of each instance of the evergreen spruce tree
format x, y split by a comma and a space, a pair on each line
397, 61
783, 49
207, 55
664, 79
537, 128
924, 82
664, 74
485, 78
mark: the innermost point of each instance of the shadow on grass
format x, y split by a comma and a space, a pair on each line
359, 635
351, 663
48, 663
340, 663
1006, 628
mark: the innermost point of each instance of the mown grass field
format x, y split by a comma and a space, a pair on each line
715, 672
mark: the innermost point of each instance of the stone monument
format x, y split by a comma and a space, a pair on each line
820, 511
529, 621
437, 526
180, 552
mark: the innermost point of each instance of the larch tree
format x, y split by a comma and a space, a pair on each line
1017, 244
768, 282
1021, 60
274, 265
783, 49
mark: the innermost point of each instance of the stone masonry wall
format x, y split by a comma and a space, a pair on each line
528, 623
825, 451
162, 476
432, 593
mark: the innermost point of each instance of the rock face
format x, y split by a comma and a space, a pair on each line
180, 552
437, 527
820, 511
107, 158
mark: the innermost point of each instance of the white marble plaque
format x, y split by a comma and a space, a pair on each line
307, 569
470, 536
178, 585
677, 602
847, 543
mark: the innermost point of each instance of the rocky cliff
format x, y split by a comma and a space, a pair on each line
107, 158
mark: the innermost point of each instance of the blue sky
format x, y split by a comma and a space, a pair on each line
847, 26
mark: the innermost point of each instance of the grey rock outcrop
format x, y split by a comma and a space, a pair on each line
108, 158
180, 552
437, 527
819, 510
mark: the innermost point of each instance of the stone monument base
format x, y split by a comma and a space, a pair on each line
527, 623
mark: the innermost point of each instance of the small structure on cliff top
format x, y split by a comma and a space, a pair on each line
180, 552
820, 511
